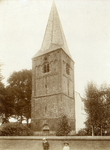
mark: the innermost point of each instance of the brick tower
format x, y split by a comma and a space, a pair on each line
53, 92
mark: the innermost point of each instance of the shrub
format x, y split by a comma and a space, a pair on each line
63, 127
15, 129
82, 132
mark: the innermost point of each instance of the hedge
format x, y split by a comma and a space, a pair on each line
14, 129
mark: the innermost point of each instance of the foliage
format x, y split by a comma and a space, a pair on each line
63, 128
6, 103
15, 129
88, 131
9, 102
15, 99
2, 98
2, 95
82, 132
21, 84
1, 76
6, 106
91, 103
97, 102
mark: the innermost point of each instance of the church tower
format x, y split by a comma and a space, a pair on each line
53, 93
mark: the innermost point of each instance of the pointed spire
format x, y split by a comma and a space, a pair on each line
54, 37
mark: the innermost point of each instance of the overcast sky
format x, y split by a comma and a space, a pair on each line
86, 25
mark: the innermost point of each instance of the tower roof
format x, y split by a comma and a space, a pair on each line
54, 37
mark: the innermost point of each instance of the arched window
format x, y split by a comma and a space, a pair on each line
46, 68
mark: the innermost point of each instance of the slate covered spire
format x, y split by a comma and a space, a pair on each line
54, 37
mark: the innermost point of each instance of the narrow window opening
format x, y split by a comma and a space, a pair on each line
46, 88
45, 109
46, 68
67, 69
45, 58
68, 87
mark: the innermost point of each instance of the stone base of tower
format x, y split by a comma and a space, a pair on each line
50, 125
47, 112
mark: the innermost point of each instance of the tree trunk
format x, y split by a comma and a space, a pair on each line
21, 119
27, 122
92, 130
101, 130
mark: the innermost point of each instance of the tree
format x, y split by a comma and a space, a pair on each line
21, 84
91, 103
96, 107
2, 95
63, 127
105, 99
9, 102
6, 100
2, 99
1, 76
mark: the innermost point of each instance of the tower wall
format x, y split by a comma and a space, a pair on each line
53, 91
46, 89
47, 110
68, 89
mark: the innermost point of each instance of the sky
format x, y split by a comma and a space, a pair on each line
86, 25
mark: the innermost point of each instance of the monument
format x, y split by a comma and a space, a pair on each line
53, 93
